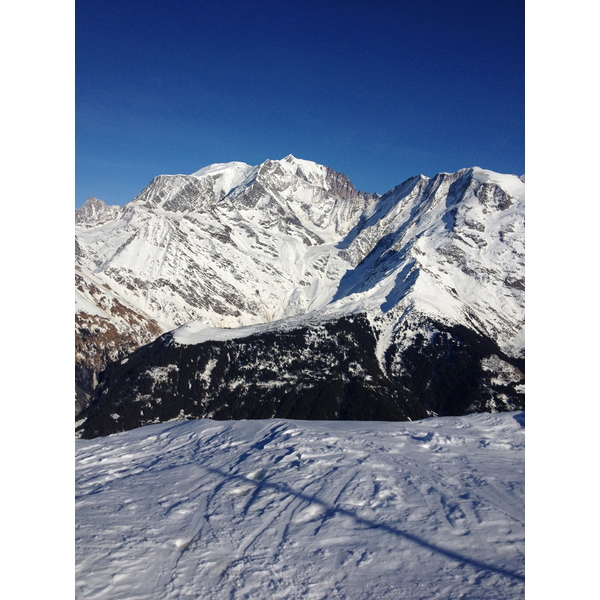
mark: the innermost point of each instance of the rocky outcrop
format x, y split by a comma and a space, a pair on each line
95, 212
106, 330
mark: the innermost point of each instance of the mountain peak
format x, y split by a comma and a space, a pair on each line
95, 211
93, 201
220, 168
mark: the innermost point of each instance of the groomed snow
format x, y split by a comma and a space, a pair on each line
303, 509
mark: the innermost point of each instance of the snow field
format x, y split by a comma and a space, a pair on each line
303, 509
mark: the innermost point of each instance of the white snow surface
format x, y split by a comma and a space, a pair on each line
230, 174
285, 509
218, 168
510, 183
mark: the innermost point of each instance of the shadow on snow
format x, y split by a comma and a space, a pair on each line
332, 509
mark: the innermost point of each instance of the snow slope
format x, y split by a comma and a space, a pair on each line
286, 509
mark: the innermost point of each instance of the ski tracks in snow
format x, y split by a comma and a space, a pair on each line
297, 509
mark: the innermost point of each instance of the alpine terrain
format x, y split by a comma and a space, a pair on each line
280, 291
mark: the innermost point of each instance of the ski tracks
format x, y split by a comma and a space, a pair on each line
312, 510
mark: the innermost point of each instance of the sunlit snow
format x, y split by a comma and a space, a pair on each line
303, 509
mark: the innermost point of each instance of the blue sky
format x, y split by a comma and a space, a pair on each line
379, 90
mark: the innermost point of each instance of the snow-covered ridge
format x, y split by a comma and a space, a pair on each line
511, 184
196, 332
227, 175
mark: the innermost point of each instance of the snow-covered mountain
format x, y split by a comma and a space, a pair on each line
95, 212
285, 509
198, 247
286, 292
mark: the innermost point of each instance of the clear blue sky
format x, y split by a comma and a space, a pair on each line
379, 90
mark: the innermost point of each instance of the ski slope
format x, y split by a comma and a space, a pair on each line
285, 509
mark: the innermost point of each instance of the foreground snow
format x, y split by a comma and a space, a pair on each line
303, 509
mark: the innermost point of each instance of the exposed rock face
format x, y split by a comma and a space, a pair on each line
95, 212
106, 330
423, 286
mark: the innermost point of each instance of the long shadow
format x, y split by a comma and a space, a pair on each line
381, 258
456, 192
332, 509
384, 205
520, 419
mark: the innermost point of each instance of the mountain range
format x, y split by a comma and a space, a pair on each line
279, 290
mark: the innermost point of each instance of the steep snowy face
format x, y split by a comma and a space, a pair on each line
450, 247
